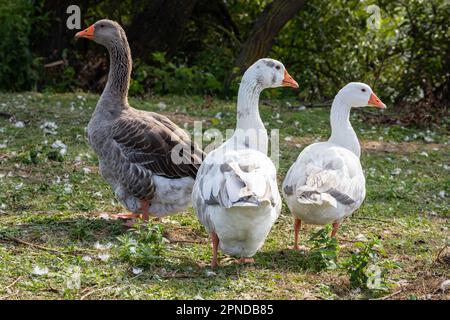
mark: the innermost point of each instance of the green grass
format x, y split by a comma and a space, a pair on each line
52, 204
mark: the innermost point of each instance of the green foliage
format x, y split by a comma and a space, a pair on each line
20, 68
331, 43
167, 77
143, 245
61, 80
365, 266
328, 44
323, 251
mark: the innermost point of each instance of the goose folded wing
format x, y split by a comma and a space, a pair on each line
330, 186
158, 145
233, 184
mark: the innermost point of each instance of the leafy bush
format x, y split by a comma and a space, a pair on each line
323, 251
166, 77
406, 59
20, 68
143, 245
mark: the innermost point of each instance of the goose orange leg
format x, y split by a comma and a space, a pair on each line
127, 216
297, 225
335, 229
215, 247
144, 208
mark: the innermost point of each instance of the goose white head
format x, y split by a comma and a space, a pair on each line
269, 73
103, 32
358, 94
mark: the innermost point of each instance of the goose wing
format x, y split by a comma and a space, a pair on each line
326, 175
244, 178
155, 143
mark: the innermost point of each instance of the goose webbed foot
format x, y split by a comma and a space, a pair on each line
244, 260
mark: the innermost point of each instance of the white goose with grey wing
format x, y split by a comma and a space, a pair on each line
235, 194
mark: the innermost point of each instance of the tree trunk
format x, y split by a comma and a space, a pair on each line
159, 27
263, 33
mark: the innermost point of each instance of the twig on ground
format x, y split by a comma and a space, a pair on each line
181, 276
96, 290
391, 295
54, 64
13, 283
17, 240
374, 219
347, 240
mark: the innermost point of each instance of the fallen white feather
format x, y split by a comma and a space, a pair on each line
86, 170
58, 144
99, 246
137, 270
162, 106
49, 127
361, 237
68, 188
19, 124
38, 271
104, 256
445, 285
210, 273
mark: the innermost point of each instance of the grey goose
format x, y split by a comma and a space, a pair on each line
135, 147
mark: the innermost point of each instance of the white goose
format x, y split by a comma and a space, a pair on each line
326, 183
235, 194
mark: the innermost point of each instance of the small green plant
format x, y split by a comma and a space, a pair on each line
143, 245
324, 250
366, 267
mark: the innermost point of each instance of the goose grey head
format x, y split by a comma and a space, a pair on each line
269, 73
358, 94
103, 32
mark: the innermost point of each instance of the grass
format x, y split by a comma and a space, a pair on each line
51, 207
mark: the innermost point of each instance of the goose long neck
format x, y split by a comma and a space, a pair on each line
247, 105
342, 132
249, 126
119, 76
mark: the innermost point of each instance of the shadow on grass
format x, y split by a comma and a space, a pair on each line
284, 260
81, 231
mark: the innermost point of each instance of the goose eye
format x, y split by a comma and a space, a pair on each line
363, 90
102, 25
278, 67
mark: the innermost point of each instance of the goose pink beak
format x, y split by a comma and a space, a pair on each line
87, 33
288, 81
376, 102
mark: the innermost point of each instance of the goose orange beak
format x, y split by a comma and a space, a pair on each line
86, 33
374, 101
288, 81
